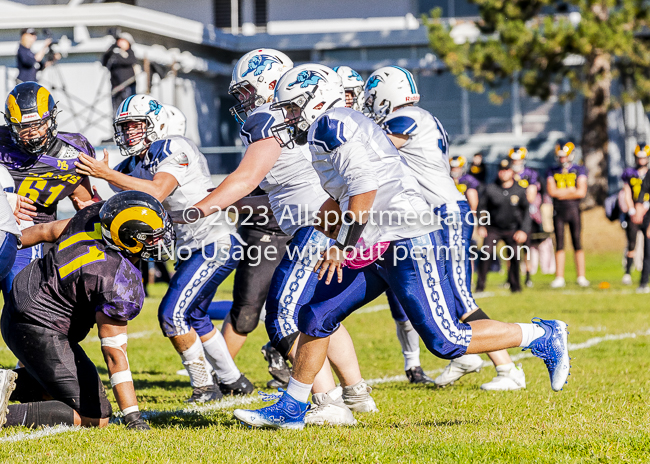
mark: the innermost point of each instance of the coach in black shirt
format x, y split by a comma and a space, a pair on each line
120, 59
504, 203
27, 62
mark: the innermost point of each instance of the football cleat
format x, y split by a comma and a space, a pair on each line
357, 397
7, 385
627, 279
287, 413
329, 409
515, 379
582, 281
558, 282
205, 394
457, 368
417, 375
240, 387
643, 289
553, 349
278, 367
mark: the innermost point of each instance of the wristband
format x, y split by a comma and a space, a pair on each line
350, 231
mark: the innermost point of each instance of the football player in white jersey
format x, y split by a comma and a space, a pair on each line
408, 338
296, 199
390, 96
360, 168
173, 170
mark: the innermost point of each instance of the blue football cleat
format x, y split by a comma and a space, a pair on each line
287, 413
553, 350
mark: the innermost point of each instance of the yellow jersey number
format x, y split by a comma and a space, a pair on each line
565, 180
32, 187
92, 254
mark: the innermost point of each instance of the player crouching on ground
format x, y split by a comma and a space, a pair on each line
88, 277
360, 168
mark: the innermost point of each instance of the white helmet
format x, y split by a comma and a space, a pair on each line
139, 108
386, 89
314, 89
352, 82
254, 79
177, 122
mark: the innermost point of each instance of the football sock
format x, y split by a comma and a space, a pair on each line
298, 391
505, 368
410, 341
530, 333
196, 365
33, 415
628, 264
217, 353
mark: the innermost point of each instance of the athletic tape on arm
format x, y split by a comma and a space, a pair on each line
121, 377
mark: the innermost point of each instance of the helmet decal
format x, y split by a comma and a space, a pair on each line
305, 79
137, 213
125, 105
373, 82
154, 107
258, 64
355, 75
13, 110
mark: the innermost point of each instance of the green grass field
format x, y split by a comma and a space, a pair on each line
601, 416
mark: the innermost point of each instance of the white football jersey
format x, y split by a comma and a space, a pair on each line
426, 152
7, 220
352, 155
292, 185
181, 158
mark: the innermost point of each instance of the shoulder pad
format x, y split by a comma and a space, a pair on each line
258, 125
400, 125
78, 141
328, 134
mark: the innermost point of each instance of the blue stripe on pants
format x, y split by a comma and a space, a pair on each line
193, 286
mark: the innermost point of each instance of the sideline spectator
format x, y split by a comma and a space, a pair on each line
505, 204
567, 185
465, 183
26, 61
528, 179
477, 169
632, 179
120, 61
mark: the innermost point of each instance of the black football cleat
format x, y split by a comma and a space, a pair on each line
205, 394
278, 367
417, 375
240, 387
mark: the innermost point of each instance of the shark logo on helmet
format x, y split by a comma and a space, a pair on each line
154, 107
373, 82
258, 64
355, 75
306, 78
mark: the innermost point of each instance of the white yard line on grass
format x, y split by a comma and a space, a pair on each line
244, 401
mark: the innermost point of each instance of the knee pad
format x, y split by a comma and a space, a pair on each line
245, 319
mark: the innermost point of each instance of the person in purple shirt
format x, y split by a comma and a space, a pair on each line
632, 180
466, 183
566, 183
528, 179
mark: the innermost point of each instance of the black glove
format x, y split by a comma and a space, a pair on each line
134, 421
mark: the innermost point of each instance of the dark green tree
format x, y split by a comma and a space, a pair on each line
543, 44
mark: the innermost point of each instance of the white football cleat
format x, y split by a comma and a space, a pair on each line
558, 282
357, 397
643, 289
627, 279
7, 385
582, 281
457, 368
329, 409
515, 379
